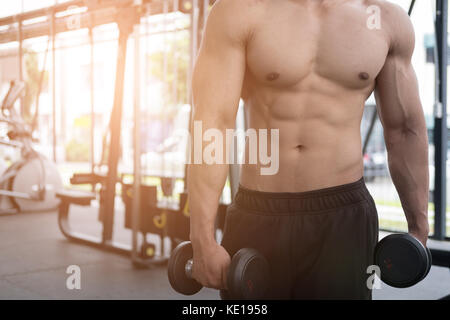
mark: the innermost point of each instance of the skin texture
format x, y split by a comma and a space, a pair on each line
306, 67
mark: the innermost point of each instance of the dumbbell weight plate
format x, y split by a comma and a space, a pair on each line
248, 275
402, 259
430, 262
178, 279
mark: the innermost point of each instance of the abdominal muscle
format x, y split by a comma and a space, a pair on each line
319, 140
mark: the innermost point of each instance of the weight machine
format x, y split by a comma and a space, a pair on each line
29, 184
140, 200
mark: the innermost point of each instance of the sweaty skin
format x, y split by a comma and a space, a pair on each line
306, 67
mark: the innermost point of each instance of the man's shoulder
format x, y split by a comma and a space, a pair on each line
391, 12
396, 23
233, 9
237, 17
240, 4
385, 4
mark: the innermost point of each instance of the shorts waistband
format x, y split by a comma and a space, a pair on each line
314, 201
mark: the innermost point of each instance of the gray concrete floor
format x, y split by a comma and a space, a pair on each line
34, 256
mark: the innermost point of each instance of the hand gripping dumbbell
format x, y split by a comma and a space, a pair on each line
247, 274
403, 260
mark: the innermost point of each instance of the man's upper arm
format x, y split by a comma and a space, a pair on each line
396, 91
220, 66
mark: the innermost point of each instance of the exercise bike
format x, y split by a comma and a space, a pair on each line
30, 183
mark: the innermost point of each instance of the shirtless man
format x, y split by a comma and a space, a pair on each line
306, 67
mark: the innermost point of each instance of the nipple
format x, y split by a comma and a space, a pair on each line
272, 76
364, 76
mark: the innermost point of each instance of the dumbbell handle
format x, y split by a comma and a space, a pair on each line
188, 268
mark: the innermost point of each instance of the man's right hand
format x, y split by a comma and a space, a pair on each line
210, 265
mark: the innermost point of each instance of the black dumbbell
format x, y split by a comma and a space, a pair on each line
403, 260
247, 275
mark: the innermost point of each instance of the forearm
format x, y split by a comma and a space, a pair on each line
205, 184
408, 165
214, 112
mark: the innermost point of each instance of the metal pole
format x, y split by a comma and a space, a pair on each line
115, 127
164, 117
193, 41
92, 158
22, 102
370, 131
165, 41
20, 60
440, 122
411, 7
175, 54
147, 118
137, 147
53, 86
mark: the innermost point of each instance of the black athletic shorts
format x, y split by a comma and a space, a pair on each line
318, 243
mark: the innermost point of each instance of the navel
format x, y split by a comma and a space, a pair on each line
272, 76
363, 76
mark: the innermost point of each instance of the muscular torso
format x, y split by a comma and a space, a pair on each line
310, 67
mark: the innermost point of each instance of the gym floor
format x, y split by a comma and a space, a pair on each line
34, 256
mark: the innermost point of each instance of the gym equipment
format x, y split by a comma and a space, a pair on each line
148, 214
143, 213
30, 184
247, 276
403, 260
126, 18
148, 250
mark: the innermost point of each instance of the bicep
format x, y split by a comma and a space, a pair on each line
219, 72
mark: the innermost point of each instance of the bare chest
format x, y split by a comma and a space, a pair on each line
339, 46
